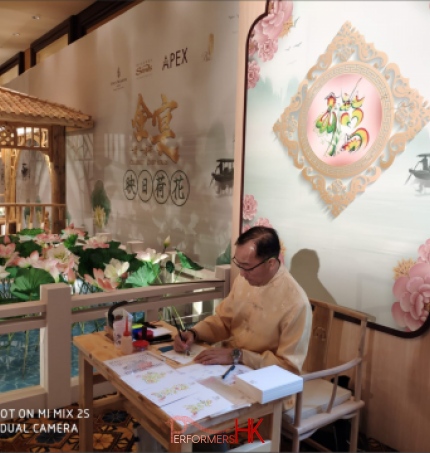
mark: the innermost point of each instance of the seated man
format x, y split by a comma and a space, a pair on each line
265, 320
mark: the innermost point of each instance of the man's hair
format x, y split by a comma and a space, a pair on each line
266, 241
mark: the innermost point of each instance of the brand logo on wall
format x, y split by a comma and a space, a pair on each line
175, 59
208, 53
120, 81
158, 185
155, 135
143, 68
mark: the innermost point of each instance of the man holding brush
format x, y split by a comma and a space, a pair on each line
265, 320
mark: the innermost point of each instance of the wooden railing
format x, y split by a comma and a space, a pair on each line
49, 216
57, 310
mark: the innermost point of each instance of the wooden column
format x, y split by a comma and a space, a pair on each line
57, 159
9, 162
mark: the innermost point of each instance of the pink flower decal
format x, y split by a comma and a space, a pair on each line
265, 36
267, 50
249, 207
424, 252
263, 222
413, 297
253, 74
272, 25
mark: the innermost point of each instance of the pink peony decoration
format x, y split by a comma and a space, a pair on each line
424, 252
253, 74
249, 207
263, 222
272, 25
265, 37
413, 297
267, 50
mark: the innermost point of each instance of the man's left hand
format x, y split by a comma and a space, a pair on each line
215, 356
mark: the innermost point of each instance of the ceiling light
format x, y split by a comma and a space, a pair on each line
35, 17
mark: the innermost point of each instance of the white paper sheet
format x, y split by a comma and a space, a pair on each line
133, 363
197, 371
145, 381
173, 389
182, 358
197, 406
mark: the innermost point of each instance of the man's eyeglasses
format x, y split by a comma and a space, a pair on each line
249, 269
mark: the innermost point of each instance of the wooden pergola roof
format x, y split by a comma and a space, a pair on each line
21, 108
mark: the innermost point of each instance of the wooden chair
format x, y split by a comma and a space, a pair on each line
323, 401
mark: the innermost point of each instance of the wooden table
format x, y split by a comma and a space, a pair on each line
95, 348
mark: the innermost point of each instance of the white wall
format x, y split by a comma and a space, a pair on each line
99, 75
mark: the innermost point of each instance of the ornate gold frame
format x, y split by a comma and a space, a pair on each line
404, 114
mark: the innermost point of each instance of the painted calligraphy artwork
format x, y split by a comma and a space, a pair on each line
351, 116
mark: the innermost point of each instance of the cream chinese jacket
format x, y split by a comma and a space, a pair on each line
271, 324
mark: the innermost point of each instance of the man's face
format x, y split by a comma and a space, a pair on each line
256, 271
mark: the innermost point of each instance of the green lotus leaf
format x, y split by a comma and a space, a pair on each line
98, 258
170, 267
30, 232
187, 262
70, 241
25, 249
26, 285
144, 276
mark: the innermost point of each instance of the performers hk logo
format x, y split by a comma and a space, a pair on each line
210, 436
160, 137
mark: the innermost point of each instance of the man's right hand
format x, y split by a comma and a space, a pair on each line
185, 345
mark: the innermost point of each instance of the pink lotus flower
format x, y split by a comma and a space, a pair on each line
413, 297
151, 255
116, 270
100, 281
65, 259
424, 252
6, 251
72, 230
30, 261
47, 238
249, 207
49, 265
253, 74
96, 242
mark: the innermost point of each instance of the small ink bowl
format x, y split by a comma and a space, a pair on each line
140, 345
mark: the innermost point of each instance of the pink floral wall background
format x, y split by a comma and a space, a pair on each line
249, 220
412, 290
263, 42
368, 241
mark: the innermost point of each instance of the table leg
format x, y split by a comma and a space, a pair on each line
276, 425
86, 404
